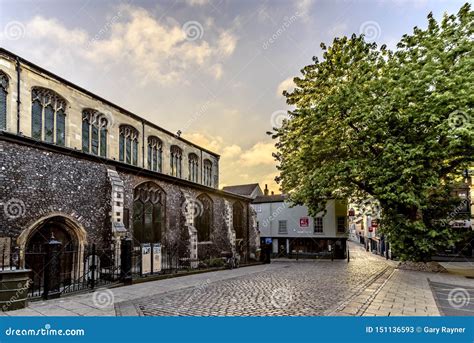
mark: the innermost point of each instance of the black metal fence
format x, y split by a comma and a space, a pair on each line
170, 263
57, 270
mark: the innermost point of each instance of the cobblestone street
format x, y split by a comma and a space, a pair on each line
368, 285
303, 288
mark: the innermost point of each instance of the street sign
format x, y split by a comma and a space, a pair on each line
146, 258
304, 222
156, 257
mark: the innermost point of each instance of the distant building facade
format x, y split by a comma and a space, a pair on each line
291, 231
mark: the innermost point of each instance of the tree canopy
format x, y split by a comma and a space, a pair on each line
393, 125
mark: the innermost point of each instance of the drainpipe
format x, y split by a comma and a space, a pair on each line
143, 144
18, 101
201, 166
248, 232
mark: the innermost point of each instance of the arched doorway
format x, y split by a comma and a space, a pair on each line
33, 244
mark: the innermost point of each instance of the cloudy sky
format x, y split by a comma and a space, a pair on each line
214, 69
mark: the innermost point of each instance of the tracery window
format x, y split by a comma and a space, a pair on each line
128, 144
94, 132
238, 219
207, 173
193, 166
155, 154
149, 203
204, 218
48, 116
3, 100
176, 160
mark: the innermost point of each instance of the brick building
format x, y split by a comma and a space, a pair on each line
80, 168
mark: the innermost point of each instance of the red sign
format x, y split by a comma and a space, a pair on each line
304, 222
373, 225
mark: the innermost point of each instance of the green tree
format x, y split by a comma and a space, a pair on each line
393, 125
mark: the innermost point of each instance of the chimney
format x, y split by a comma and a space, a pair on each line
265, 191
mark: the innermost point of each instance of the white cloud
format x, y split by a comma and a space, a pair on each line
286, 84
155, 50
337, 30
197, 2
304, 6
259, 154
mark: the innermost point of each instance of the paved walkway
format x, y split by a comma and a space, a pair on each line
410, 293
366, 286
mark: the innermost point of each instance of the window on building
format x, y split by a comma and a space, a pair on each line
128, 144
48, 116
155, 154
148, 213
176, 160
204, 218
207, 173
94, 132
318, 225
282, 227
193, 166
341, 224
3, 100
238, 219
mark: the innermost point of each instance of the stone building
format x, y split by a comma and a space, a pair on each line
80, 168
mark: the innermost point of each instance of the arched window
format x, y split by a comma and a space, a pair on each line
193, 166
238, 219
48, 116
3, 100
176, 160
128, 144
204, 218
149, 202
155, 154
207, 173
94, 132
